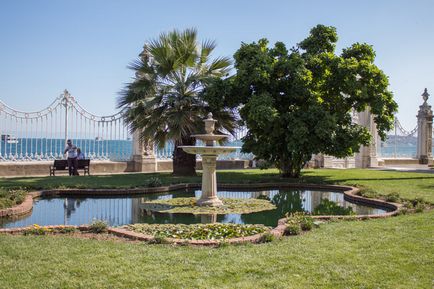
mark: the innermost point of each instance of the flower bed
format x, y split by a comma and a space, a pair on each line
216, 231
188, 205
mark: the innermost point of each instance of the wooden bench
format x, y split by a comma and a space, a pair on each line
62, 165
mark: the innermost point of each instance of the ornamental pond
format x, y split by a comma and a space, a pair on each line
122, 209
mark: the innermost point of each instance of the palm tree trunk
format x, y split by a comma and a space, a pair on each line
184, 164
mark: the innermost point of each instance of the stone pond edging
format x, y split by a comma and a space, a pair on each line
349, 194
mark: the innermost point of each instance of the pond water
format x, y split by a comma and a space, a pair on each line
121, 210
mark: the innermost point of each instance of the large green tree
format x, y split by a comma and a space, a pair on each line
300, 102
165, 101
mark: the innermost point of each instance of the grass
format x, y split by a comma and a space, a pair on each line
390, 253
408, 185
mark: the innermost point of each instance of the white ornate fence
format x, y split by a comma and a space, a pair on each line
41, 135
399, 143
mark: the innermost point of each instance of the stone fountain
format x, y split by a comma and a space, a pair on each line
209, 155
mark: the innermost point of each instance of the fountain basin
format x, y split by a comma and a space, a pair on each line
125, 206
208, 150
210, 137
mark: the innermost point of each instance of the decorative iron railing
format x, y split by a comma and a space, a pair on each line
41, 135
400, 143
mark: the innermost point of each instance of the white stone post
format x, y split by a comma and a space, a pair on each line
367, 157
424, 131
143, 155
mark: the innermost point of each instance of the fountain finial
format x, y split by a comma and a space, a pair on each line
209, 124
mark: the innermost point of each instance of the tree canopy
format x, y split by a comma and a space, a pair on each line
164, 102
300, 101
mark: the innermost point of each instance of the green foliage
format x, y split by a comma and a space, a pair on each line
300, 219
267, 238
159, 239
65, 230
11, 197
300, 102
98, 226
327, 207
368, 193
417, 205
393, 197
41, 230
153, 182
188, 205
37, 230
165, 101
215, 231
292, 229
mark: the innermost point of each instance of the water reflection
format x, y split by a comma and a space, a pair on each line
126, 210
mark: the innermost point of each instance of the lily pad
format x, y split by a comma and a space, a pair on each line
188, 205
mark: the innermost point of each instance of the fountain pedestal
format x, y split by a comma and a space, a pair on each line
209, 182
209, 155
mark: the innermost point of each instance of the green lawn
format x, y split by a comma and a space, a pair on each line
396, 252
408, 185
391, 253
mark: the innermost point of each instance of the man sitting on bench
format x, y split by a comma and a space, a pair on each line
71, 149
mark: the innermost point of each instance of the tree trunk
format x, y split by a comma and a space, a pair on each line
290, 168
184, 164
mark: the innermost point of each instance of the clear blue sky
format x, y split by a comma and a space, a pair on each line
85, 46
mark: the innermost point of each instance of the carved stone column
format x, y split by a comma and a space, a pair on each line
367, 157
143, 155
424, 131
209, 182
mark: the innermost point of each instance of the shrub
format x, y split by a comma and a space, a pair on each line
403, 211
303, 220
98, 226
418, 201
267, 237
393, 197
154, 182
11, 197
292, 229
419, 208
37, 230
65, 230
159, 239
306, 224
368, 193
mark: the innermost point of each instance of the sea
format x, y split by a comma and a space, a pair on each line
18, 149
22, 149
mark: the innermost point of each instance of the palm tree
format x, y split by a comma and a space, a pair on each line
165, 102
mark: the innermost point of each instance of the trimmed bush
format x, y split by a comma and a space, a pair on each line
98, 227
292, 229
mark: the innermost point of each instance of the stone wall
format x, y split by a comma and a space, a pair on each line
20, 169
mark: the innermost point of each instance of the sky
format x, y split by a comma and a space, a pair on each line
85, 46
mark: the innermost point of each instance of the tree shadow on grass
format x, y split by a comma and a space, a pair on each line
132, 180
